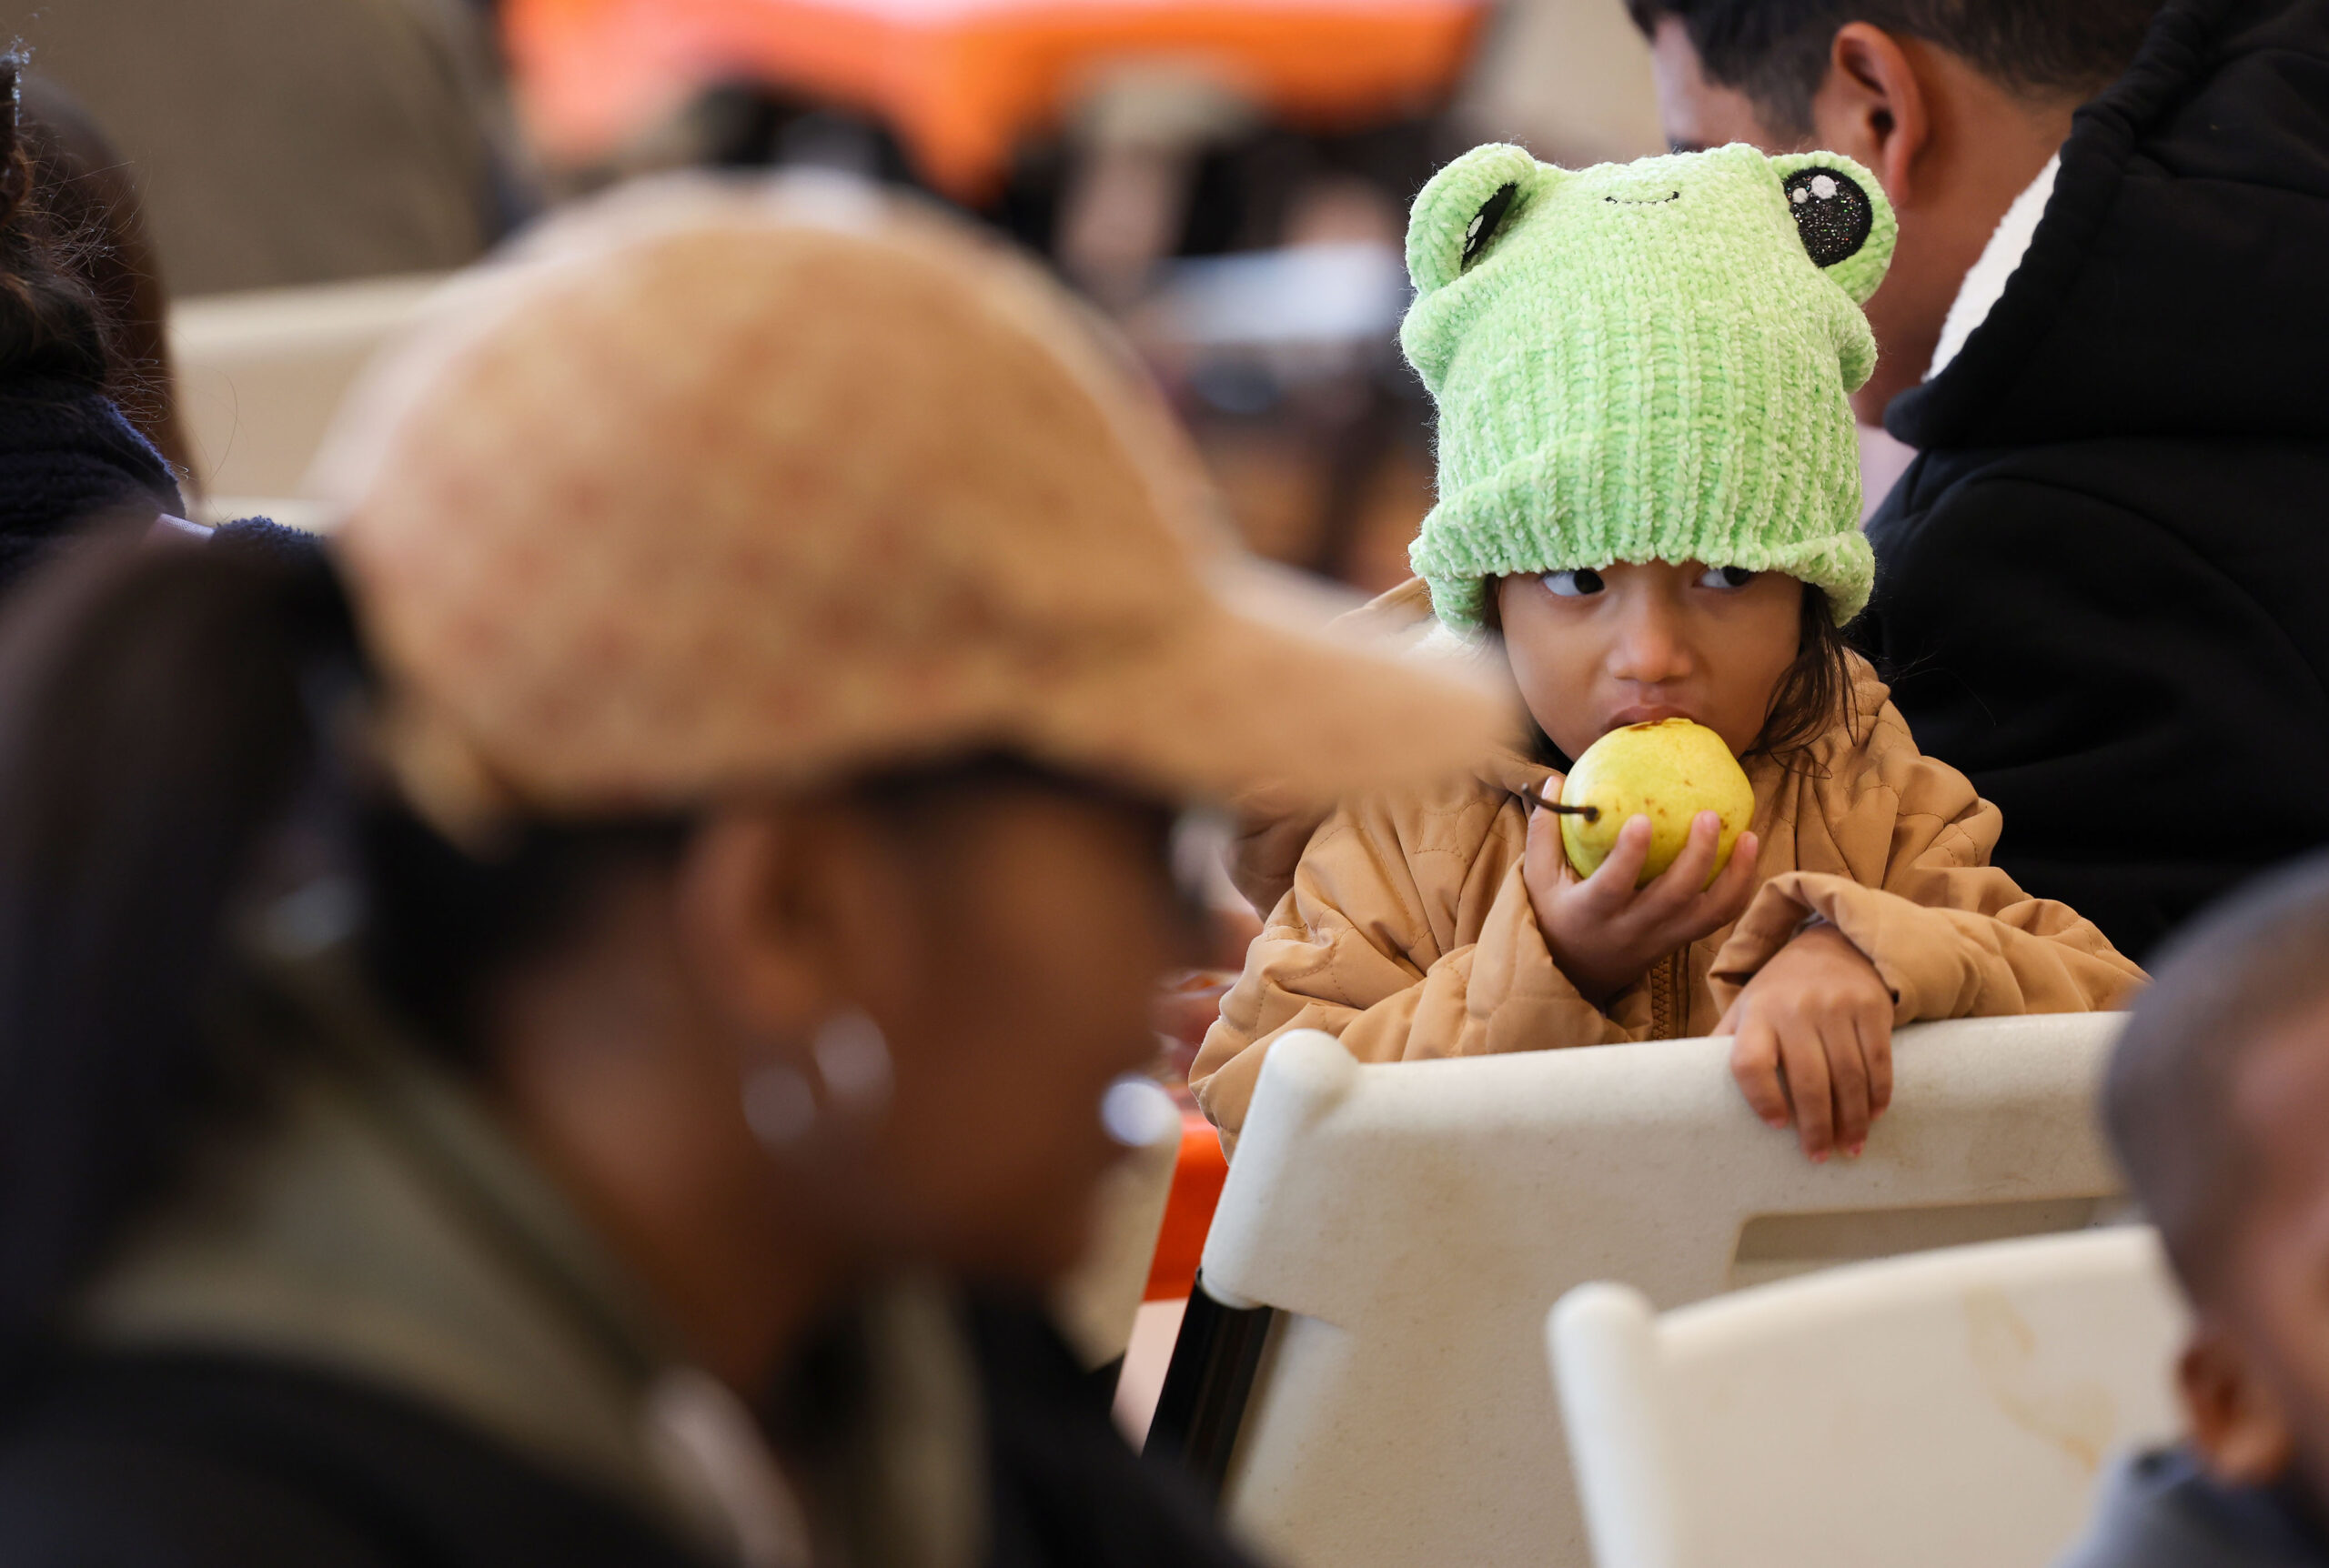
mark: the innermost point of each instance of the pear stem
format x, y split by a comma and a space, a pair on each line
1538, 803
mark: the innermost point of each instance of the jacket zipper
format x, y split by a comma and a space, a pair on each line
1664, 986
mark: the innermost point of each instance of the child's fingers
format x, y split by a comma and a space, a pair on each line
1755, 1066
1548, 857
1726, 900
1612, 885
1678, 886
1699, 913
1545, 829
1746, 855
1876, 1046
1804, 1058
1848, 1076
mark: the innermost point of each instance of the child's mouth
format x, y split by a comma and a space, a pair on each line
1649, 713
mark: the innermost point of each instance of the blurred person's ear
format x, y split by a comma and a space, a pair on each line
1874, 107
778, 902
2234, 1418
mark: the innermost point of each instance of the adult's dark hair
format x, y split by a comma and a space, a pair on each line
2247, 970
171, 724
87, 200
52, 325
1777, 51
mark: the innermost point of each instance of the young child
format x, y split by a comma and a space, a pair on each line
2216, 1100
1650, 488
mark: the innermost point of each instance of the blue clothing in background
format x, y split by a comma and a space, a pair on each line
2162, 1510
66, 455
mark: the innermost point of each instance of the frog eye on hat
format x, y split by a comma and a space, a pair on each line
1458, 215
1841, 217
1486, 222
1831, 214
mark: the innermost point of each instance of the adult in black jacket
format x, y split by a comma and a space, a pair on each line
2102, 591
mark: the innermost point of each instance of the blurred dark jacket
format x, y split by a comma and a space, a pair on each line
194, 1459
368, 1332
283, 142
68, 457
2100, 588
2161, 1510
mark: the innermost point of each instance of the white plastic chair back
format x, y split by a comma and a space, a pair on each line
1953, 1408
1412, 1221
259, 376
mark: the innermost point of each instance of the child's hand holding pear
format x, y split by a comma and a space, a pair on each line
1641, 850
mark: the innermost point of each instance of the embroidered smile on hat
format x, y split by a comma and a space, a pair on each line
1645, 361
713, 488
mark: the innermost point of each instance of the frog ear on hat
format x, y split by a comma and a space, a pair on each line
1840, 211
1459, 214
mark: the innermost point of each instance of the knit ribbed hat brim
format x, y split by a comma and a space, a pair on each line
1522, 521
1645, 362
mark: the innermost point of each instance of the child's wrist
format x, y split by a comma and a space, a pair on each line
1599, 987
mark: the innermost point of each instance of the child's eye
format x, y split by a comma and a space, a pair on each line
1573, 585
1726, 578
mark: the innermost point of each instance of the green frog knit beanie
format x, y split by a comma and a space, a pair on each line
1645, 361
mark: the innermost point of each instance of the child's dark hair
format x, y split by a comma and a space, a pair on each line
1815, 693
168, 788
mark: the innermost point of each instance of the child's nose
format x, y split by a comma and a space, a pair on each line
1650, 648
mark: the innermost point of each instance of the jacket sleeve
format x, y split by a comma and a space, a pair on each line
1952, 935
1398, 967
1267, 847
1272, 833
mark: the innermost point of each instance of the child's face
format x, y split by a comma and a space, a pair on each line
2256, 1376
1635, 644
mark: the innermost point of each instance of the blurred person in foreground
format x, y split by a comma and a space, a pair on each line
2095, 585
601, 951
2216, 1100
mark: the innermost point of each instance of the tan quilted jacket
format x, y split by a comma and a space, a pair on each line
1407, 931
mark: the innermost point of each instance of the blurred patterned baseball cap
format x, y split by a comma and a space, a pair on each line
716, 487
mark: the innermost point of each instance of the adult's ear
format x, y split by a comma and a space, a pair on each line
2234, 1418
1841, 216
1460, 214
786, 910
1873, 103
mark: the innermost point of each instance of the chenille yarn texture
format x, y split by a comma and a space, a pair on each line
1645, 361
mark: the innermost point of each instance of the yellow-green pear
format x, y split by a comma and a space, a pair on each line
1668, 772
